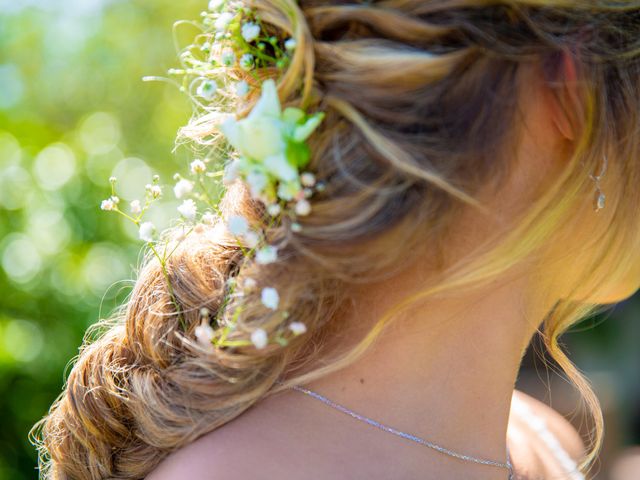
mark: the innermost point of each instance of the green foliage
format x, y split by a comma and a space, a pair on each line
74, 111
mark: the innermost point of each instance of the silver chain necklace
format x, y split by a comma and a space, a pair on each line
408, 436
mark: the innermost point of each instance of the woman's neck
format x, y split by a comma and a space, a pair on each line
444, 371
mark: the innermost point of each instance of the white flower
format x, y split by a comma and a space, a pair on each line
267, 254
208, 218
242, 88
238, 225
270, 298
204, 334
279, 167
259, 135
188, 209
290, 44
296, 227
259, 338
308, 179
154, 190
250, 31
223, 20
246, 61
136, 208
215, 4
274, 209
207, 89
227, 57
182, 188
298, 328
251, 239
108, 205
303, 207
198, 166
146, 231
249, 284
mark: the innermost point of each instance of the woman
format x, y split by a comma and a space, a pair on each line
479, 164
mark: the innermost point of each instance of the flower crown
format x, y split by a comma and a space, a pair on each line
270, 154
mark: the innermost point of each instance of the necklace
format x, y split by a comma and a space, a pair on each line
408, 436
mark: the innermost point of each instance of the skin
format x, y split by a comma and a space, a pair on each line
454, 359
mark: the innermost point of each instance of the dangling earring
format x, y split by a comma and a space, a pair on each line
599, 198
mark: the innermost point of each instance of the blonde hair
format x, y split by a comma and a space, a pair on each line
421, 100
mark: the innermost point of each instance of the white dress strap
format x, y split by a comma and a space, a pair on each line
539, 426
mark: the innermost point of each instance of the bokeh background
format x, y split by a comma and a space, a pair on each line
74, 111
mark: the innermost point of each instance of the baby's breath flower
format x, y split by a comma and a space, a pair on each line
113, 180
188, 209
223, 21
115, 199
227, 57
259, 338
303, 207
207, 89
298, 328
274, 209
208, 218
238, 225
308, 179
257, 181
270, 298
267, 254
242, 88
246, 61
198, 166
182, 188
296, 227
290, 44
251, 239
147, 229
204, 334
215, 5
154, 190
108, 205
250, 31
136, 208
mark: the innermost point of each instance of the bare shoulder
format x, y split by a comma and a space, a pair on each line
242, 447
531, 456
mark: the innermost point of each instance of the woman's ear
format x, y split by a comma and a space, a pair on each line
565, 103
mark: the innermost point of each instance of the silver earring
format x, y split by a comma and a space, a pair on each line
599, 198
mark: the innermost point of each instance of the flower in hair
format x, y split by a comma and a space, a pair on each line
271, 145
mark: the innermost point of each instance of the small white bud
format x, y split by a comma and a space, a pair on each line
136, 208
298, 328
303, 207
188, 209
266, 255
238, 225
250, 31
182, 188
259, 338
270, 298
146, 231
290, 44
308, 179
246, 61
274, 209
107, 205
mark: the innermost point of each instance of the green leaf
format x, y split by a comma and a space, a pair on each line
298, 154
